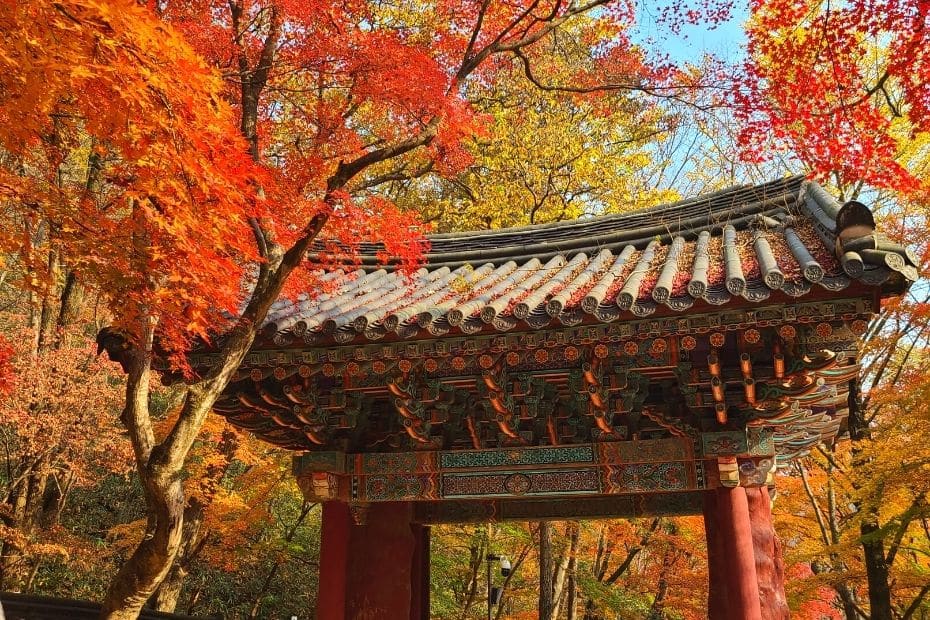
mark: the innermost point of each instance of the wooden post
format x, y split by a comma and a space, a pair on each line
716, 560
769, 565
419, 604
334, 550
372, 570
736, 532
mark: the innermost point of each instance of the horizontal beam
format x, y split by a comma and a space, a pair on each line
600, 507
636, 467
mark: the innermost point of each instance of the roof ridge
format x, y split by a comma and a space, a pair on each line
784, 184
737, 205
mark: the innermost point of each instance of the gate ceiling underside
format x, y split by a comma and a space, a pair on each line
663, 351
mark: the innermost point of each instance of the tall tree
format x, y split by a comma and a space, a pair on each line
829, 81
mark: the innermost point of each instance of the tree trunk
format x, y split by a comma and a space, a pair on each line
148, 565
195, 597
571, 602
48, 316
590, 611
558, 584
35, 494
474, 569
561, 571
271, 278
56, 495
876, 569
248, 124
194, 534
159, 467
160, 473
546, 591
657, 610
848, 600
166, 595
168, 592
72, 299
873, 545
35, 323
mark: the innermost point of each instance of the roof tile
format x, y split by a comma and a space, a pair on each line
744, 243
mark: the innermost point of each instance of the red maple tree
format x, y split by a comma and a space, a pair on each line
830, 83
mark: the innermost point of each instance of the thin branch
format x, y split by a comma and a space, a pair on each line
633, 552
916, 603
398, 174
909, 515
346, 171
818, 513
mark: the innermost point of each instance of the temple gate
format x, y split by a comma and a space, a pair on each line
661, 362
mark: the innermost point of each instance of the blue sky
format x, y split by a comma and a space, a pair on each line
723, 41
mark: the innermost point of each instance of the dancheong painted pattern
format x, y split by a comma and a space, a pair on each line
681, 348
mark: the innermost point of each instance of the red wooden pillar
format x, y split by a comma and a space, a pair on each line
419, 604
716, 560
769, 565
735, 529
374, 570
334, 555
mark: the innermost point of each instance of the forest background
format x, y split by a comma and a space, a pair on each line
150, 155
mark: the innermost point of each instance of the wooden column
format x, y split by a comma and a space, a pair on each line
372, 570
419, 604
334, 555
716, 560
769, 565
735, 528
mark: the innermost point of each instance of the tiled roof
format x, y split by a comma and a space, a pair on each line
739, 245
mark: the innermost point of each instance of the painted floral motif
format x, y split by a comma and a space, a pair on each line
752, 336
395, 487
517, 484
689, 343
644, 477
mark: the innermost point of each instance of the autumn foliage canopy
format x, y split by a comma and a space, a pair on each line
843, 87
187, 161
